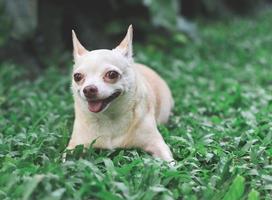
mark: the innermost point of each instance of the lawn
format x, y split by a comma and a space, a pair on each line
220, 132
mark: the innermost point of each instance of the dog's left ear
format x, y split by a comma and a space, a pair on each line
125, 47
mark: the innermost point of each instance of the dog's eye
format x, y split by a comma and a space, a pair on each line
78, 77
111, 76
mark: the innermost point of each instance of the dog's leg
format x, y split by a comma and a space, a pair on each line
71, 145
149, 139
158, 148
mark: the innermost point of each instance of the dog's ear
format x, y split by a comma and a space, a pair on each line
125, 47
79, 50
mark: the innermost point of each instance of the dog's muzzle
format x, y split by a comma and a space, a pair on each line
97, 106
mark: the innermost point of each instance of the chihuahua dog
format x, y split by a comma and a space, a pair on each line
118, 103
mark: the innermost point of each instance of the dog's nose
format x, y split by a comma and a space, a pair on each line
90, 91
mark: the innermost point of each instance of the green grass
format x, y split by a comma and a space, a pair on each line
220, 132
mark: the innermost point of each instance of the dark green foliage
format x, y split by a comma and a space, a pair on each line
163, 13
5, 25
220, 132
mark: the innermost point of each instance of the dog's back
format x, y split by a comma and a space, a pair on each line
163, 98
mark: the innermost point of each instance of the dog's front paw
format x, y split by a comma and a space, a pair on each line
172, 163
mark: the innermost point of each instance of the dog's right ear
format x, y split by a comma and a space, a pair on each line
79, 50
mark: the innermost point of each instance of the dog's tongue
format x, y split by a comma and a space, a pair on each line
95, 106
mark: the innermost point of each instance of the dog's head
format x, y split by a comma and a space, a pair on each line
102, 76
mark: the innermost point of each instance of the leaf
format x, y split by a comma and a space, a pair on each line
236, 190
31, 185
56, 195
253, 195
225, 172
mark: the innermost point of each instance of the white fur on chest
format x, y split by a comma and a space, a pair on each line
108, 131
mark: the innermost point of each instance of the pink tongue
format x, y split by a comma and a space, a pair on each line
95, 106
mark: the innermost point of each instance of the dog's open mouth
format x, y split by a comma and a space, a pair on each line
98, 105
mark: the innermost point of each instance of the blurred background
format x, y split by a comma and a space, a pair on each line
36, 33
